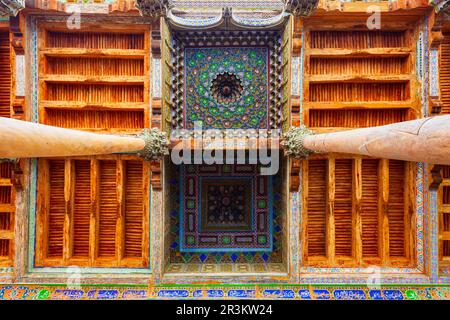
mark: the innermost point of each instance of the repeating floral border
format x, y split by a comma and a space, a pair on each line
288, 292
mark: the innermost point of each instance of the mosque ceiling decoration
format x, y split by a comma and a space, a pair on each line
227, 87
222, 85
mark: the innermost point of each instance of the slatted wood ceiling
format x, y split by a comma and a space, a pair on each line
108, 209
56, 212
7, 198
369, 208
356, 79
5, 75
100, 81
104, 233
134, 209
343, 208
396, 208
342, 233
317, 187
92, 78
82, 209
444, 73
444, 218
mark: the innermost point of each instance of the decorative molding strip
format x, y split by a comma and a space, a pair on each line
226, 19
175, 292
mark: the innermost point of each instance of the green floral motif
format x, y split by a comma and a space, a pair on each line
249, 65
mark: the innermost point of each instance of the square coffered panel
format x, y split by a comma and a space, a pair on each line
225, 208
227, 88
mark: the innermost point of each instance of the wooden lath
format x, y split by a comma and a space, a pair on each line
358, 212
93, 211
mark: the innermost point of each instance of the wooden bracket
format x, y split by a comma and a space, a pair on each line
436, 176
295, 175
156, 174
435, 105
17, 41
17, 175
156, 44
18, 106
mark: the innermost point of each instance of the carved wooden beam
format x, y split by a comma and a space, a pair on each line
20, 139
424, 140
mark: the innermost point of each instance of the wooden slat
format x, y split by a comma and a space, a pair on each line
377, 52
6, 234
369, 208
108, 209
7, 207
356, 118
77, 105
43, 208
444, 74
342, 78
316, 205
134, 209
343, 208
82, 208
57, 212
360, 105
126, 80
93, 53
5, 75
396, 209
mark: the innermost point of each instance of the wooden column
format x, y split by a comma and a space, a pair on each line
423, 140
20, 139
